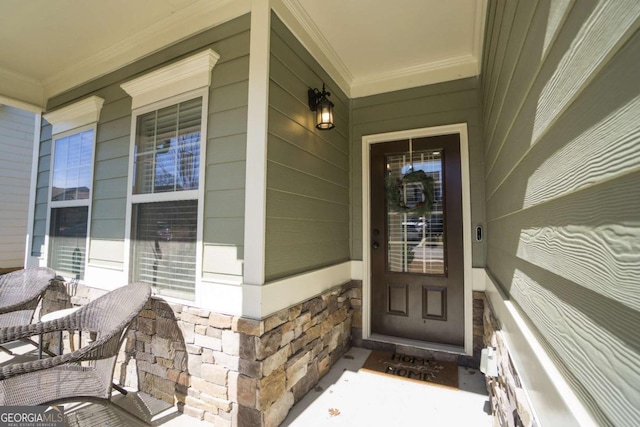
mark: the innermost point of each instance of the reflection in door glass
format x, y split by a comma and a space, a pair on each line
415, 240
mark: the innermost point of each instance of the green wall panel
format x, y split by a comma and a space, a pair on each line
225, 144
562, 174
307, 221
427, 106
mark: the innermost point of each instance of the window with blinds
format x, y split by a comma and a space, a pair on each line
164, 251
167, 151
72, 159
416, 243
166, 161
71, 179
68, 241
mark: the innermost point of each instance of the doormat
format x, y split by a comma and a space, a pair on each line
413, 368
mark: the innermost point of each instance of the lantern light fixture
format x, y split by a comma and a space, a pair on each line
319, 102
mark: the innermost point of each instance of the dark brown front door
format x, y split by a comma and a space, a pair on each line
417, 267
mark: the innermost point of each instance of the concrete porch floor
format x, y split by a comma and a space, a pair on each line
346, 396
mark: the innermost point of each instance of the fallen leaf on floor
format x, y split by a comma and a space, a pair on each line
471, 372
348, 356
334, 412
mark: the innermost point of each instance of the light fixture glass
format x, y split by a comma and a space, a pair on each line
324, 115
319, 102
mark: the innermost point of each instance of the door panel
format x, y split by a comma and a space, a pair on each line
416, 258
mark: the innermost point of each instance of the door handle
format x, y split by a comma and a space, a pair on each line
375, 245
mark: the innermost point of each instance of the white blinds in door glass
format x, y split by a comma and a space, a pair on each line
164, 249
415, 242
167, 151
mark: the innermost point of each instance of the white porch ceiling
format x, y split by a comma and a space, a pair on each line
367, 46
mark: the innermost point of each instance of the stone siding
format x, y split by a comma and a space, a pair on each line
509, 403
235, 371
61, 295
288, 352
227, 370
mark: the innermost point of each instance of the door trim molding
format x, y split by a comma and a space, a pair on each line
367, 141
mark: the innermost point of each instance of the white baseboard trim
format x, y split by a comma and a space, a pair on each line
260, 301
552, 400
241, 299
293, 290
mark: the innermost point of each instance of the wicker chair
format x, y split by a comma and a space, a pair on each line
20, 293
84, 373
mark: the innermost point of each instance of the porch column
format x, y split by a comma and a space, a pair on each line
256, 167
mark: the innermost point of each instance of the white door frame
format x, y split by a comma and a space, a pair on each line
367, 141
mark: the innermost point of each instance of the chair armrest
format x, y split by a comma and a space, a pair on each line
15, 307
13, 333
16, 369
92, 351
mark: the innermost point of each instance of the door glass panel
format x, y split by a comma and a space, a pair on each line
415, 238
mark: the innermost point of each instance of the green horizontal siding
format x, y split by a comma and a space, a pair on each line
307, 221
434, 105
225, 146
562, 169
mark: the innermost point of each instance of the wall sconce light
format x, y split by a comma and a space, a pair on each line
319, 102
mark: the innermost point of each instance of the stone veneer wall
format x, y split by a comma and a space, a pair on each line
235, 371
228, 370
61, 295
509, 403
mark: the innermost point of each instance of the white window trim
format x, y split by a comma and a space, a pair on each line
181, 81
70, 203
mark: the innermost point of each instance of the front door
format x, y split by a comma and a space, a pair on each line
417, 267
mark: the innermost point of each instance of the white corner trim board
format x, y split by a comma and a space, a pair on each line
75, 115
256, 158
182, 76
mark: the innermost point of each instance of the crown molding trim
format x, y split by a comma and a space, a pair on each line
305, 30
75, 115
15, 103
182, 76
459, 67
198, 17
20, 92
302, 26
204, 14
